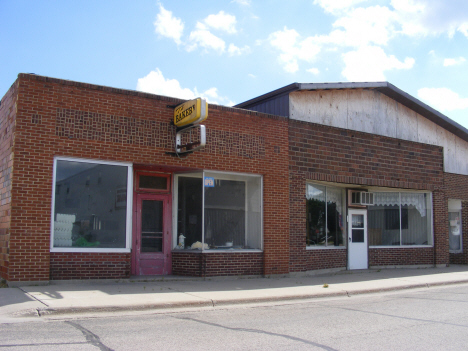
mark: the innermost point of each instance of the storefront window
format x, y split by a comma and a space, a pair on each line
91, 205
324, 210
189, 210
398, 219
218, 211
455, 226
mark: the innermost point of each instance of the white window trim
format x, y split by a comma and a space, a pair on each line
227, 175
333, 247
128, 229
400, 246
233, 251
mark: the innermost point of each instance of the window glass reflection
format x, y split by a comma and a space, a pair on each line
90, 205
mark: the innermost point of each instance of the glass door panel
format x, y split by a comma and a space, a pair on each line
152, 226
357, 228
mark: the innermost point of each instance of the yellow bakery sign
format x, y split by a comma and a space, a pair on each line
191, 112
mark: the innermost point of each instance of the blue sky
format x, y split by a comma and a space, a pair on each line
232, 51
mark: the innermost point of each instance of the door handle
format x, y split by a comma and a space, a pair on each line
349, 239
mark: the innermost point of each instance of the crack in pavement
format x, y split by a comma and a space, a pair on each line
91, 338
198, 297
32, 296
258, 331
401, 317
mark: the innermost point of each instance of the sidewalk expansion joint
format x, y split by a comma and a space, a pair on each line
213, 303
32, 296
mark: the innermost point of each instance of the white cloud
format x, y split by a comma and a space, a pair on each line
453, 61
359, 25
363, 26
463, 29
211, 95
155, 83
234, 50
242, 2
291, 66
292, 50
204, 38
432, 17
222, 21
369, 64
334, 6
172, 27
168, 26
252, 75
314, 71
443, 99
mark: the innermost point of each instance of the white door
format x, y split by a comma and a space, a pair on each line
357, 239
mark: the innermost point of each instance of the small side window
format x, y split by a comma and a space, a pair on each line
455, 232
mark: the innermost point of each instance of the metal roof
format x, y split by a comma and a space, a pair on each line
383, 87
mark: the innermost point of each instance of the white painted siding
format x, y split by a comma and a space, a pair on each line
372, 112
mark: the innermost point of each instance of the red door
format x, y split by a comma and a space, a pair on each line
152, 239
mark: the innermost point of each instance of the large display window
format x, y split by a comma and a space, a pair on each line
91, 206
218, 211
326, 220
400, 219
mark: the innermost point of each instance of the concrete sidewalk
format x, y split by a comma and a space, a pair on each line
143, 293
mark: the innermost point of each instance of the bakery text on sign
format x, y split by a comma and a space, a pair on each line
191, 112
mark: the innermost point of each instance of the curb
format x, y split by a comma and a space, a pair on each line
48, 311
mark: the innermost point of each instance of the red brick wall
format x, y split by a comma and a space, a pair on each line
329, 154
7, 128
65, 265
401, 256
63, 118
456, 186
361, 158
187, 263
326, 259
440, 220
217, 264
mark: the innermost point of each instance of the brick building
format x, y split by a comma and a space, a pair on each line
307, 177
377, 178
85, 168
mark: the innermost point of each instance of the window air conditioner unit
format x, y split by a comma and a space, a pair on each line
362, 198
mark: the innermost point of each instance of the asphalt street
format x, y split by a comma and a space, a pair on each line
417, 319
